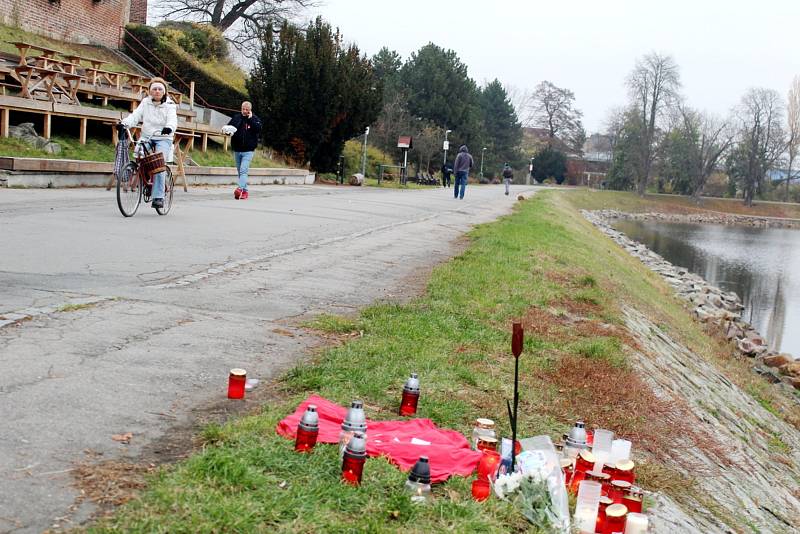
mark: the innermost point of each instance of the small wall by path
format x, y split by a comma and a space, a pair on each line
72, 173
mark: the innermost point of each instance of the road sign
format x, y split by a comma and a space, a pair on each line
446, 145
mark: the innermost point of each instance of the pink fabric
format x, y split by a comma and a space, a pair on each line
447, 450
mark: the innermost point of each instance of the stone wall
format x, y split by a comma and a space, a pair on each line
79, 21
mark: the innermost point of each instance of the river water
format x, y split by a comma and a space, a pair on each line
762, 265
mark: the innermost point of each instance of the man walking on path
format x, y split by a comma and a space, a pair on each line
461, 167
246, 131
508, 175
447, 171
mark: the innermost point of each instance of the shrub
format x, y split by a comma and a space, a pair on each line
200, 40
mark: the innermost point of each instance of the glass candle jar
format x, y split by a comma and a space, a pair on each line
601, 478
605, 502
355, 454
488, 465
615, 519
307, 430
486, 443
481, 489
567, 468
624, 471
583, 462
618, 489
483, 428
633, 499
236, 382
408, 404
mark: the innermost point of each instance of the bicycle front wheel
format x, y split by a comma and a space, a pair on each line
129, 190
169, 187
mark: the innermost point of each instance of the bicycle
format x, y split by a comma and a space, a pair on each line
135, 181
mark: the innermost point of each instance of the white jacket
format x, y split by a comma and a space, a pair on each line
154, 117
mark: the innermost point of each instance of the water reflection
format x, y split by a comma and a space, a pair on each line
759, 264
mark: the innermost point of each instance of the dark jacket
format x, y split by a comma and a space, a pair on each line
447, 170
508, 174
463, 160
248, 133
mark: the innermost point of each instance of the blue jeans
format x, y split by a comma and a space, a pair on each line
165, 147
243, 160
461, 182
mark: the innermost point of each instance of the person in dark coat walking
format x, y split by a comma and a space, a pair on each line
461, 167
508, 176
245, 131
447, 171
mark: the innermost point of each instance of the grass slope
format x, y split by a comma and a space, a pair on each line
545, 265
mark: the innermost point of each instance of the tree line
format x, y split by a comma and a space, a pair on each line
315, 91
659, 141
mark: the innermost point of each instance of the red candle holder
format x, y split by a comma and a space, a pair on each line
481, 489
488, 465
236, 382
615, 519
306, 439
408, 404
601, 478
633, 500
624, 471
605, 502
486, 444
618, 489
355, 454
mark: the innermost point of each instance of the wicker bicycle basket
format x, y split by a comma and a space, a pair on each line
153, 164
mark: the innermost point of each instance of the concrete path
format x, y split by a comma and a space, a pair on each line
111, 325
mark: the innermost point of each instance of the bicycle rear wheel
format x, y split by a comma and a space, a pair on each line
169, 187
129, 190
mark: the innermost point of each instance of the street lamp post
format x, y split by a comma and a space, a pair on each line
445, 146
364, 158
483, 151
530, 173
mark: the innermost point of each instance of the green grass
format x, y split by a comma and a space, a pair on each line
457, 337
9, 34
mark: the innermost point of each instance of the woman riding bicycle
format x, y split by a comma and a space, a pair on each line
159, 116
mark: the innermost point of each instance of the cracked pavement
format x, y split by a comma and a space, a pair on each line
128, 325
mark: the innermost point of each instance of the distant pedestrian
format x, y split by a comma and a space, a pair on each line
461, 167
245, 131
508, 175
447, 172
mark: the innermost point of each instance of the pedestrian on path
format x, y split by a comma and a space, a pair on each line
245, 131
508, 175
461, 167
447, 172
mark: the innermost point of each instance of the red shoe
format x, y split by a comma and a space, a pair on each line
237, 193
244, 195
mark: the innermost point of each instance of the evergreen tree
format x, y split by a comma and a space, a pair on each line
502, 132
440, 91
312, 92
549, 163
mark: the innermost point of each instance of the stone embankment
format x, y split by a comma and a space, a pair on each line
705, 217
709, 303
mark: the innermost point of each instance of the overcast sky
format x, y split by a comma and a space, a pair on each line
722, 47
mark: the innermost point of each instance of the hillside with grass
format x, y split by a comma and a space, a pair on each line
191, 52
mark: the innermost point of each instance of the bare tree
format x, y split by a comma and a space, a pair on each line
761, 140
242, 21
653, 85
553, 108
712, 137
793, 132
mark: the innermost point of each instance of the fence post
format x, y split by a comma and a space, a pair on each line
191, 94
